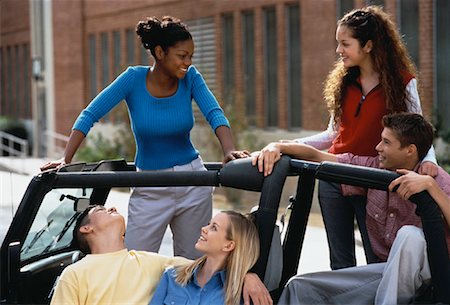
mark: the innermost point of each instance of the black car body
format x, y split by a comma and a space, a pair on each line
37, 246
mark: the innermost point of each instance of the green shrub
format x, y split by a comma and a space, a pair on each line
99, 148
122, 145
14, 127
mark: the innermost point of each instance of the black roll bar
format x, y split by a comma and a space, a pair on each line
268, 210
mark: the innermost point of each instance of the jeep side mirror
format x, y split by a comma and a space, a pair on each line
81, 204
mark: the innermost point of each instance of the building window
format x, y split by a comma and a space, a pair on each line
145, 56
13, 78
204, 36
294, 67
2, 83
26, 81
92, 67
116, 52
40, 43
375, 2
130, 36
248, 60
9, 81
105, 65
228, 58
105, 59
270, 67
343, 7
408, 20
18, 83
442, 49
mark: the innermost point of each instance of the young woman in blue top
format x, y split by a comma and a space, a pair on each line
230, 245
159, 101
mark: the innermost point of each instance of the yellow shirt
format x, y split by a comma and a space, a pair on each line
122, 277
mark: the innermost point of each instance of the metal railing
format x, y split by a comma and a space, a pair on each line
9, 142
55, 143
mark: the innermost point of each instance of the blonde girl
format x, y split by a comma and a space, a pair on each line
230, 245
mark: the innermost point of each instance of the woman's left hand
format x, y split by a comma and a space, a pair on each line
428, 168
235, 154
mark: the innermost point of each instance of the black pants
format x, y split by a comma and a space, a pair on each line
338, 214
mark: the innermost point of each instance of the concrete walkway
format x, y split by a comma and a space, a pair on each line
23, 166
16, 173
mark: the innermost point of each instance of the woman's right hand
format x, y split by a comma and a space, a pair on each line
53, 164
235, 154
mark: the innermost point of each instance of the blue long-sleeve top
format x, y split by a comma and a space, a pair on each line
170, 292
161, 126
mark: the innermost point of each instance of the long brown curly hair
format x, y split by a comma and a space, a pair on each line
389, 55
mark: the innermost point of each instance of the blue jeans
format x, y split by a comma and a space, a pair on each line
338, 213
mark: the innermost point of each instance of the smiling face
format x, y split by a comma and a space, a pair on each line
214, 237
392, 155
349, 48
177, 59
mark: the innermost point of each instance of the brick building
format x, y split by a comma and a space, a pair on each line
267, 59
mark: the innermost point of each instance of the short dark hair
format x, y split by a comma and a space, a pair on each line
411, 128
79, 239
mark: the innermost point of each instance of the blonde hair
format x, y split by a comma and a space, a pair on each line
389, 55
243, 232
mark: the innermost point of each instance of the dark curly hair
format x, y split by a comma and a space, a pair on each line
165, 32
389, 55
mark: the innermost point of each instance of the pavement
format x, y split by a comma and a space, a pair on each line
16, 173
